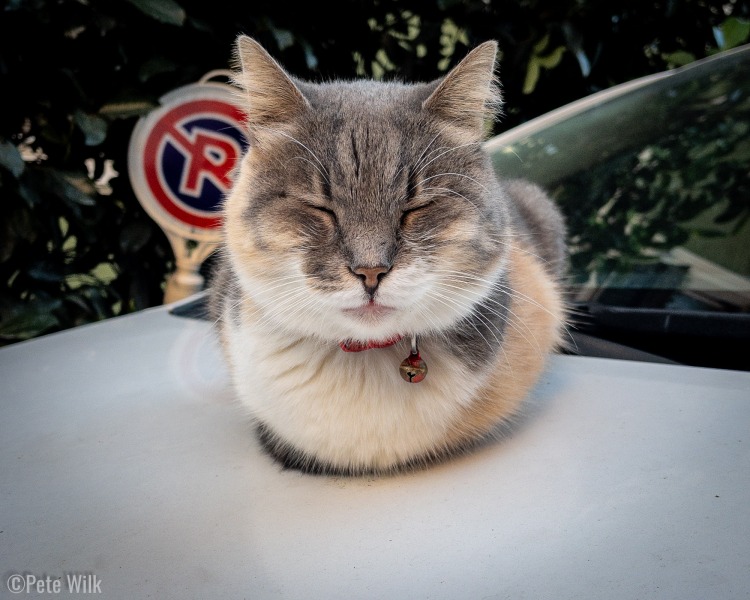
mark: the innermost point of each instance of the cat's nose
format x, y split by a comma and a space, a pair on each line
371, 276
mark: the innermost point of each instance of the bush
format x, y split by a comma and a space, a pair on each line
75, 244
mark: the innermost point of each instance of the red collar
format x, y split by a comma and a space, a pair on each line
354, 346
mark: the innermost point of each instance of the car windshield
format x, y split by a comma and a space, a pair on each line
655, 185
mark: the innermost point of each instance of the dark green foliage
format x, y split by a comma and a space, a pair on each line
76, 76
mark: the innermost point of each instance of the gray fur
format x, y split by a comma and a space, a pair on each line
371, 177
364, 153
537, 217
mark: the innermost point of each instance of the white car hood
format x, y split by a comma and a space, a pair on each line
124, 455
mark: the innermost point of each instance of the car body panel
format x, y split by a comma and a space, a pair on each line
124, 454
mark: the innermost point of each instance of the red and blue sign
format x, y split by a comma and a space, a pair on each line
182, 155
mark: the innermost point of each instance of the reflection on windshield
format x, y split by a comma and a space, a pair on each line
655, 186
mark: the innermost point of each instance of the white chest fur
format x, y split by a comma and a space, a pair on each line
347, 409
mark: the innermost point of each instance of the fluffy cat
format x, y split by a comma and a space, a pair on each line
366, 216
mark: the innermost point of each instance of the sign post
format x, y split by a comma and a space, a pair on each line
180, 161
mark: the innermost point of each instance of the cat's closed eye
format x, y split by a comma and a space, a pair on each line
412, 212
323, 211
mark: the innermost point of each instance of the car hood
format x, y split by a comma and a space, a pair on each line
124, 455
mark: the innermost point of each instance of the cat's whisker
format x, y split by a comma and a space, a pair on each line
451, 304
305, 309
277, 320
447, 301
491, 327
267, 290
459, 277
449, 190
513, 235
311, 245
528, 252
431, 318
280, 300
497, 285
422, 237
423, 245
307, 160
453, 149
323, 172
451, 174
501, 239
418, 162
501, 316
507, 290
281, 283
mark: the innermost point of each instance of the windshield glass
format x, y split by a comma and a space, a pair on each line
655, 185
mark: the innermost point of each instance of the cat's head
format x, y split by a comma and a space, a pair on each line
365, 210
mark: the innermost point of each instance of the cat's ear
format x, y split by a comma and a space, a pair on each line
268, 94
469, 94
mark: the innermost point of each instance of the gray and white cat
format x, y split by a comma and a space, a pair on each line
366, 226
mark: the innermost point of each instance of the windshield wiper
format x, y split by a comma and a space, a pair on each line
672, 321
694, 337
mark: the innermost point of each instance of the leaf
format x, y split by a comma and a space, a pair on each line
730, 213
29, 193
27, 324
311, 60
537, 62
46, 271
94, 127
105, 272
155, 66
10, 158
96, 297
575, 43
134, 236
284, 38
532, 76
23, 225
678, 58
540, 45
77, 188
552, 59
583, 63
124, 110
739, 155
732, 33
708, 233
76, 281
166, 11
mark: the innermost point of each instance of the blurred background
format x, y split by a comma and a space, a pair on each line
76, 75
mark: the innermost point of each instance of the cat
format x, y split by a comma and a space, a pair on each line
384, 302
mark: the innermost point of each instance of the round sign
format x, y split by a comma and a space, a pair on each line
181, 156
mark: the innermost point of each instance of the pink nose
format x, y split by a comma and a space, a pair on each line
371, 276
